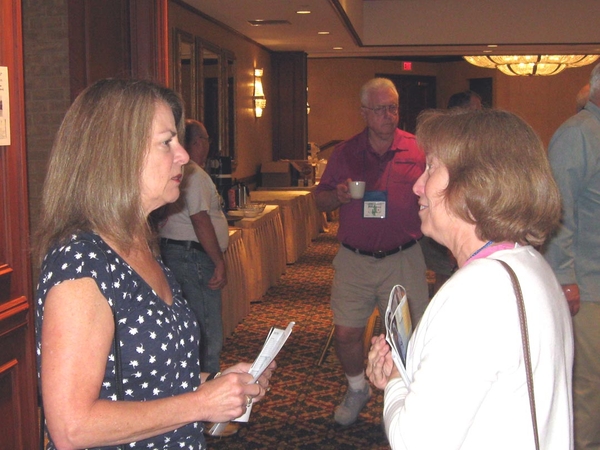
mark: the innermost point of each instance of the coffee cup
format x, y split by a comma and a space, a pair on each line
357, 189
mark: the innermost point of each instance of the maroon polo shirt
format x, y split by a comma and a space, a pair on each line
396, 171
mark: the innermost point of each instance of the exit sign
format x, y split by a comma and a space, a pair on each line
407, 65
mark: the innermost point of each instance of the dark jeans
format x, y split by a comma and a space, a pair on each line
192, 269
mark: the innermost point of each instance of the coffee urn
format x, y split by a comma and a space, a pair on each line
220, 172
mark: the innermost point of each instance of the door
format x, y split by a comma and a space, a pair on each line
484, 87
417, 93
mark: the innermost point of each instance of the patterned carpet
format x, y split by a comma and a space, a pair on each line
298, 411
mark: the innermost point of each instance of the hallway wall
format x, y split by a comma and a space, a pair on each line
334, 84
254, 136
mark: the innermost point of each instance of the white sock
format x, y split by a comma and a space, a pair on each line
357, 382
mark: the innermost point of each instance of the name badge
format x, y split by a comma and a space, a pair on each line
375, 205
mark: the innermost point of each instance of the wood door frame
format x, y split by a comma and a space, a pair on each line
18, 381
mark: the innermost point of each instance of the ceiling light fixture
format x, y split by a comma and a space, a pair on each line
303, 10
323, 32
531, 65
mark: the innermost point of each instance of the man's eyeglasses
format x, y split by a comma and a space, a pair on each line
380, 110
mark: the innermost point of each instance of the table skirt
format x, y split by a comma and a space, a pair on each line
235, 295
300, 218
265, 248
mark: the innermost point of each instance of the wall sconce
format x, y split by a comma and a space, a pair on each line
260, 102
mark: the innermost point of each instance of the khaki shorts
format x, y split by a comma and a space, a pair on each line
362, 282
586, 376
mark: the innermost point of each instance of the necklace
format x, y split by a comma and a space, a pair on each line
486, 245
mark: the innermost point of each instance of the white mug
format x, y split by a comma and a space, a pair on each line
357, 189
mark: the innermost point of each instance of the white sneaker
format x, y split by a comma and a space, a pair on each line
352, 404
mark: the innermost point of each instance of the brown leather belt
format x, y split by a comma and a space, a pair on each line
381, 254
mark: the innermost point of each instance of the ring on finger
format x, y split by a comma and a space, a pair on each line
248, 401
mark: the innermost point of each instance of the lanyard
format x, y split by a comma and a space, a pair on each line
488, 249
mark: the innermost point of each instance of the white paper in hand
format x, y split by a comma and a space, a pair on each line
273, 344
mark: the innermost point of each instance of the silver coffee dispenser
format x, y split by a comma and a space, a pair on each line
220, 172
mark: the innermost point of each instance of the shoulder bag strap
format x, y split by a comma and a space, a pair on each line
526, 353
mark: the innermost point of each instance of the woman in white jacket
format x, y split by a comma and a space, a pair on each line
487, 194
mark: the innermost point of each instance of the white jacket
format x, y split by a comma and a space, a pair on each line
468, 387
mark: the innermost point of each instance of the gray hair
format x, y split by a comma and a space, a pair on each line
595, 84
375, 84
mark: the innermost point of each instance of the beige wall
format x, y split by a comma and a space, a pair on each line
254, 136
333, 86
544, 102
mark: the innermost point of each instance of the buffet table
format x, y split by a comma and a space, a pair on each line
235, 296
265, 249
300, 217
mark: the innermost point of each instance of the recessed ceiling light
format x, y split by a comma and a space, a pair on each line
338, 48
492, 46
303, 10
323, 32
487, 51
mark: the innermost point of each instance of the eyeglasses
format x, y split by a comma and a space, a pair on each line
380, 110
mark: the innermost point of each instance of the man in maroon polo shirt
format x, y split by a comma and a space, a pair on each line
378, 234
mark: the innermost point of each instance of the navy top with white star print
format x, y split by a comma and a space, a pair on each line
159, 342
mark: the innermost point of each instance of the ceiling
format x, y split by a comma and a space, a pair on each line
434, 29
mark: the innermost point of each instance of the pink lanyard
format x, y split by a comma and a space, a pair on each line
488, 249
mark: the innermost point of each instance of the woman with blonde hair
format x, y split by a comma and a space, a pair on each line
117, 344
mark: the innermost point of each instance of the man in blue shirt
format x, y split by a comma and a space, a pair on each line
574, 254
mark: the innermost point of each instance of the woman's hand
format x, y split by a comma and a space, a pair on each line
380, 368
230, 394
263, 380
224, 398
